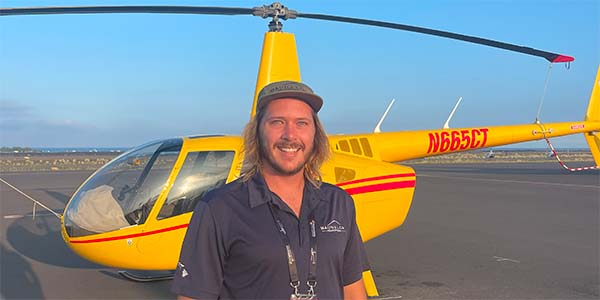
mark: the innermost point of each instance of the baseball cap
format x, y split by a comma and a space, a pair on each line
288, 89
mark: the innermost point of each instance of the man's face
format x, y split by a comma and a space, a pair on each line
286, 133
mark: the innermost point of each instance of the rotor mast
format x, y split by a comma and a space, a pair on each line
279, 58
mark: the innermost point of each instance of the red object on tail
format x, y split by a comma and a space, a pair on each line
563, 58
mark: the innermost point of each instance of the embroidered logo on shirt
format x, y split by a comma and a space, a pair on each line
184, 272
333, 226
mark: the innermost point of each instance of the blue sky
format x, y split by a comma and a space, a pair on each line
122, 80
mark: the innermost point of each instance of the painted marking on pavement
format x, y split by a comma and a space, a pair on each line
500, 259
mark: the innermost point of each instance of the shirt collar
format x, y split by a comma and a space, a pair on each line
259, 193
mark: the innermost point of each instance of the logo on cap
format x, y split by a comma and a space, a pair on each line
288, 89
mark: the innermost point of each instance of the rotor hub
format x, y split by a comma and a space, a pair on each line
276, 11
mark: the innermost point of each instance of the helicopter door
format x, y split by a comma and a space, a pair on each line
201, 172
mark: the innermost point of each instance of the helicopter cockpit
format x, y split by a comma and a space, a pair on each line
123, 193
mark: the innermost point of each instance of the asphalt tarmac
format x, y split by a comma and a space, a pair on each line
491, 231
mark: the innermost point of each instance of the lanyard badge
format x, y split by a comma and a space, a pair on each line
303, 297
312, 273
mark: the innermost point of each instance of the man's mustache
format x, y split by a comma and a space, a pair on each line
285, 144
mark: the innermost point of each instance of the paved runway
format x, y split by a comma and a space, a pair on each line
493, 231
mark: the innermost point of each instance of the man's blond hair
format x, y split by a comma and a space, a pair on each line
253, 158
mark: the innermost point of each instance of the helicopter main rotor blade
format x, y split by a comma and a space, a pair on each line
278, 11
203, 10
551, 57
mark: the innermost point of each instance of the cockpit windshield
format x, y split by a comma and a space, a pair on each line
123, 192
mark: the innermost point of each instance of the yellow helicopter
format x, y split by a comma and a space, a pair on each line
133, 212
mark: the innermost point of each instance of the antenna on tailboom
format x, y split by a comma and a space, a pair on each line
447, 124
378, 127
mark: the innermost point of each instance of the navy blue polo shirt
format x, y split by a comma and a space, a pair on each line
233, 250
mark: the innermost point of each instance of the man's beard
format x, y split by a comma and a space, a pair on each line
267, 158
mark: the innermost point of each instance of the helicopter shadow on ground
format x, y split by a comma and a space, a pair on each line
63, 198
18, 280
39, 239
159, 289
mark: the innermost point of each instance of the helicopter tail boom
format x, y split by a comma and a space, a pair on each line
406, 145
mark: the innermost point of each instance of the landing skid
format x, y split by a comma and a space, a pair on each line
145, 278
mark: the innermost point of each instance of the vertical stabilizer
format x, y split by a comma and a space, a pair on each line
593, 114
279, 61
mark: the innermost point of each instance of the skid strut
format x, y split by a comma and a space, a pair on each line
146, 278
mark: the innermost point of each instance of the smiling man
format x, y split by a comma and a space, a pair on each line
277, 232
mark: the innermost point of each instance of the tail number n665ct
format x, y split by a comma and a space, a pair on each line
452, 140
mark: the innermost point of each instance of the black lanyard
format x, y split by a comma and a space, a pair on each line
312, 270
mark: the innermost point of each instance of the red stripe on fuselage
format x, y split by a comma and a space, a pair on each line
351, 191
376, 178
381, 187
114, 238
